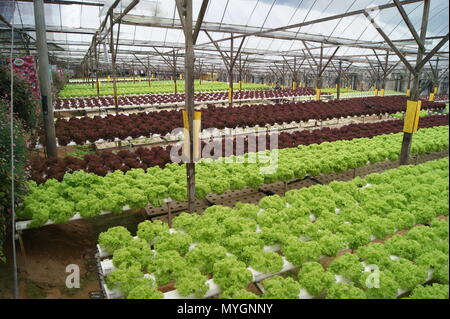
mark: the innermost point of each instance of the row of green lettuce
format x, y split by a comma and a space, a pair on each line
142, 87
306, 224
90, 194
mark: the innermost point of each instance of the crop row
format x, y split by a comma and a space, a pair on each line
235, 246
142, 87
86, 129
90, 194
157, 99
106, 161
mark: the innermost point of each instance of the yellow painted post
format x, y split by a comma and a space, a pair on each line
99, 84
181, 76
230, 100
431, 98
411, 123
435, 91
186, 135
197, 130
382, 92
408, 92
376, 92
318, 94
109, 78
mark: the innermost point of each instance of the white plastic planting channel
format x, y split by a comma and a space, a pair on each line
22, 225
268, 127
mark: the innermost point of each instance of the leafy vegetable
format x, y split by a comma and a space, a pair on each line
281, 288
342, 290
315, 279
115, 238
231, 273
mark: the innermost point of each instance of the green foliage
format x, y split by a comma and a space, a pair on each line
142, 87
315, 279
135, 254
231, 273
374, 253
281, 288
20, 155
204, 255
348, 266
239, 293
137, 188
26, 107
128, 279
263, 261
342, 290
167, 267
115, 238
407, 274
298, 252
152, 230
191, 281
387, 288
145, 292
423, 250
80, 151
236, 244
400, 246
179, 242
435, 291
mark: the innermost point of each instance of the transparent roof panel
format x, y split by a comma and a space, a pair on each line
71, 27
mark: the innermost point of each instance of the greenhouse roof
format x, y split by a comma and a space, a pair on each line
272, 31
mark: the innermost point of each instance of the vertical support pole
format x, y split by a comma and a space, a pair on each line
113, 65
407, 137
385, 70
44, 79
96, 69
149, 72
408, 85
319, 71
338, 89
200, 72
175, 88
240, 73
230, 75
189, 88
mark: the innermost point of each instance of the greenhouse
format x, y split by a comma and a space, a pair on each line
224, 149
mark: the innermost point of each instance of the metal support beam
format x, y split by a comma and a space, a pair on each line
338, 88
441, 43
189, 88
391, 44
407, 137
404, 15
330, 58
44, 79
199, 21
